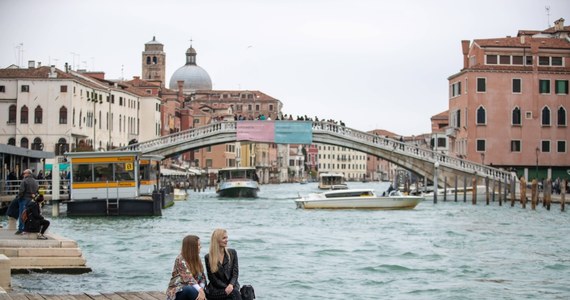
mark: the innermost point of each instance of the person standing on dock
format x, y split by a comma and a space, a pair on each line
222, 268
188, 279
28, 190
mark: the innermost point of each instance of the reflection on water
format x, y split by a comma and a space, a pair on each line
443, 251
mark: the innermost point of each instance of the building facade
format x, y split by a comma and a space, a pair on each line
508, 106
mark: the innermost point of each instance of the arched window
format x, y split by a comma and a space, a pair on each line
516, 117
61, 147
148, 60
12, 141
561, 117
546, 116
73, 117
80, 119
154, 60
37, 144
24, 143
63, 115
12, 114
24, 115
38, 115
481, 116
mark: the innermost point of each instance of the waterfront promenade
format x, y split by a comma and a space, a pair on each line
85, 296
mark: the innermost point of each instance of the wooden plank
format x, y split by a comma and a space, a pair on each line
145, 296
13, 296
128, 296
96, 296
112, 296
157, 295
82, 297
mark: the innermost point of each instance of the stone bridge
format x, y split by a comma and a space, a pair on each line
421, 161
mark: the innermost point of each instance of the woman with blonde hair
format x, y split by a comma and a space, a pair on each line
222, 268
188, 279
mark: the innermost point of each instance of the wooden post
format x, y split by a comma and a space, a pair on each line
500, 193
548, 193
474, 190
523, 192
487, 190
513, 191
534, 194
445, 189
455, 186
464, 188
563, 195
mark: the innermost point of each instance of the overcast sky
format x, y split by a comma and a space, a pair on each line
371, 64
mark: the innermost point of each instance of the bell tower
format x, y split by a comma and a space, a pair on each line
154, 62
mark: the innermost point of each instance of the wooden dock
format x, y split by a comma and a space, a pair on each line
86, 296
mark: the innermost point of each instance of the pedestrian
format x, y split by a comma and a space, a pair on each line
28, 190
188, 279
222, 268
35, 221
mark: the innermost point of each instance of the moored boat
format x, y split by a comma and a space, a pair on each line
332, 181
238, 182
180, 194
358, 198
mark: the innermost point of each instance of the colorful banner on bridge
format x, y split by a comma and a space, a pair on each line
256, 131
279, 132
295, 132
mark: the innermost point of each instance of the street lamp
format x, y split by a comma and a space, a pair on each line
537, 151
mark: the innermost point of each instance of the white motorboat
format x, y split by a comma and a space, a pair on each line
332, 181
358, 198
180, 194
237, 182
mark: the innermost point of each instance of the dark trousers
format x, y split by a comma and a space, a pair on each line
44, 224
187, 293
220, 295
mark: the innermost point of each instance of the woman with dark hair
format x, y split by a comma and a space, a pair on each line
34, 220
188, 279
222, 268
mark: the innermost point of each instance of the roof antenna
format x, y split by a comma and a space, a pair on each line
190, 42
547, 8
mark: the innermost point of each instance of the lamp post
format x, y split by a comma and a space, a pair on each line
537, 150
435, 185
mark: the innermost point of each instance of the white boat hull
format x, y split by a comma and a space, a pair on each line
332, 200
179, 195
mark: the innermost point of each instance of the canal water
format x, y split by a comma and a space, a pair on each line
436, 251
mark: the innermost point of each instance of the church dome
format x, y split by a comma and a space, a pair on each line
194, 76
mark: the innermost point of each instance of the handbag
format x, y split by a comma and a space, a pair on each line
247, 292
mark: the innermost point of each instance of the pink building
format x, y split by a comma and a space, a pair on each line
508, 106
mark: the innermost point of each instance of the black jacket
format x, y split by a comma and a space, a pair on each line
227, 273
34, 217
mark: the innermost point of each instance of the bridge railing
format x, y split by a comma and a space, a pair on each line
392, 145
181, 137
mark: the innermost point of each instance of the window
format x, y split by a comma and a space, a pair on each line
12, 114
528, 115
516, 85
515, 146
25, 88
2, 89
545, 146
561, 146
37, 144
480, 145
24, 115
561, 87
441, 142
561, 117
270, 107
546, 116
481, 85
528, 60
456, 89
63, 89
544, 86
24, 143
505, 59
544, 61
249, 107
481, 116
61, 147
209, 163
257, 107
148, 60
63, 115
556, 61
517, 60
516, 116
12, 141
491, 59
38, 115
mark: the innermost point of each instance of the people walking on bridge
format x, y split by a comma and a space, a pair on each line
28, 190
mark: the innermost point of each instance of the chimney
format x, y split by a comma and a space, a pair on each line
559, 24
39, 64
465, 48
180, 84
31, 64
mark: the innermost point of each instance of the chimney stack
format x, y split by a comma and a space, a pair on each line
465, 48
31, 64
559, 24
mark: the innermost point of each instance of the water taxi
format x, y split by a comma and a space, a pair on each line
358, 199
332, 181
237, 182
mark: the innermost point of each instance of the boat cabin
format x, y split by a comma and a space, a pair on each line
149, 169
230, 174
332, 181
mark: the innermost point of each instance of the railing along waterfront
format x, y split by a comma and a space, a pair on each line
342, 132
11, 187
